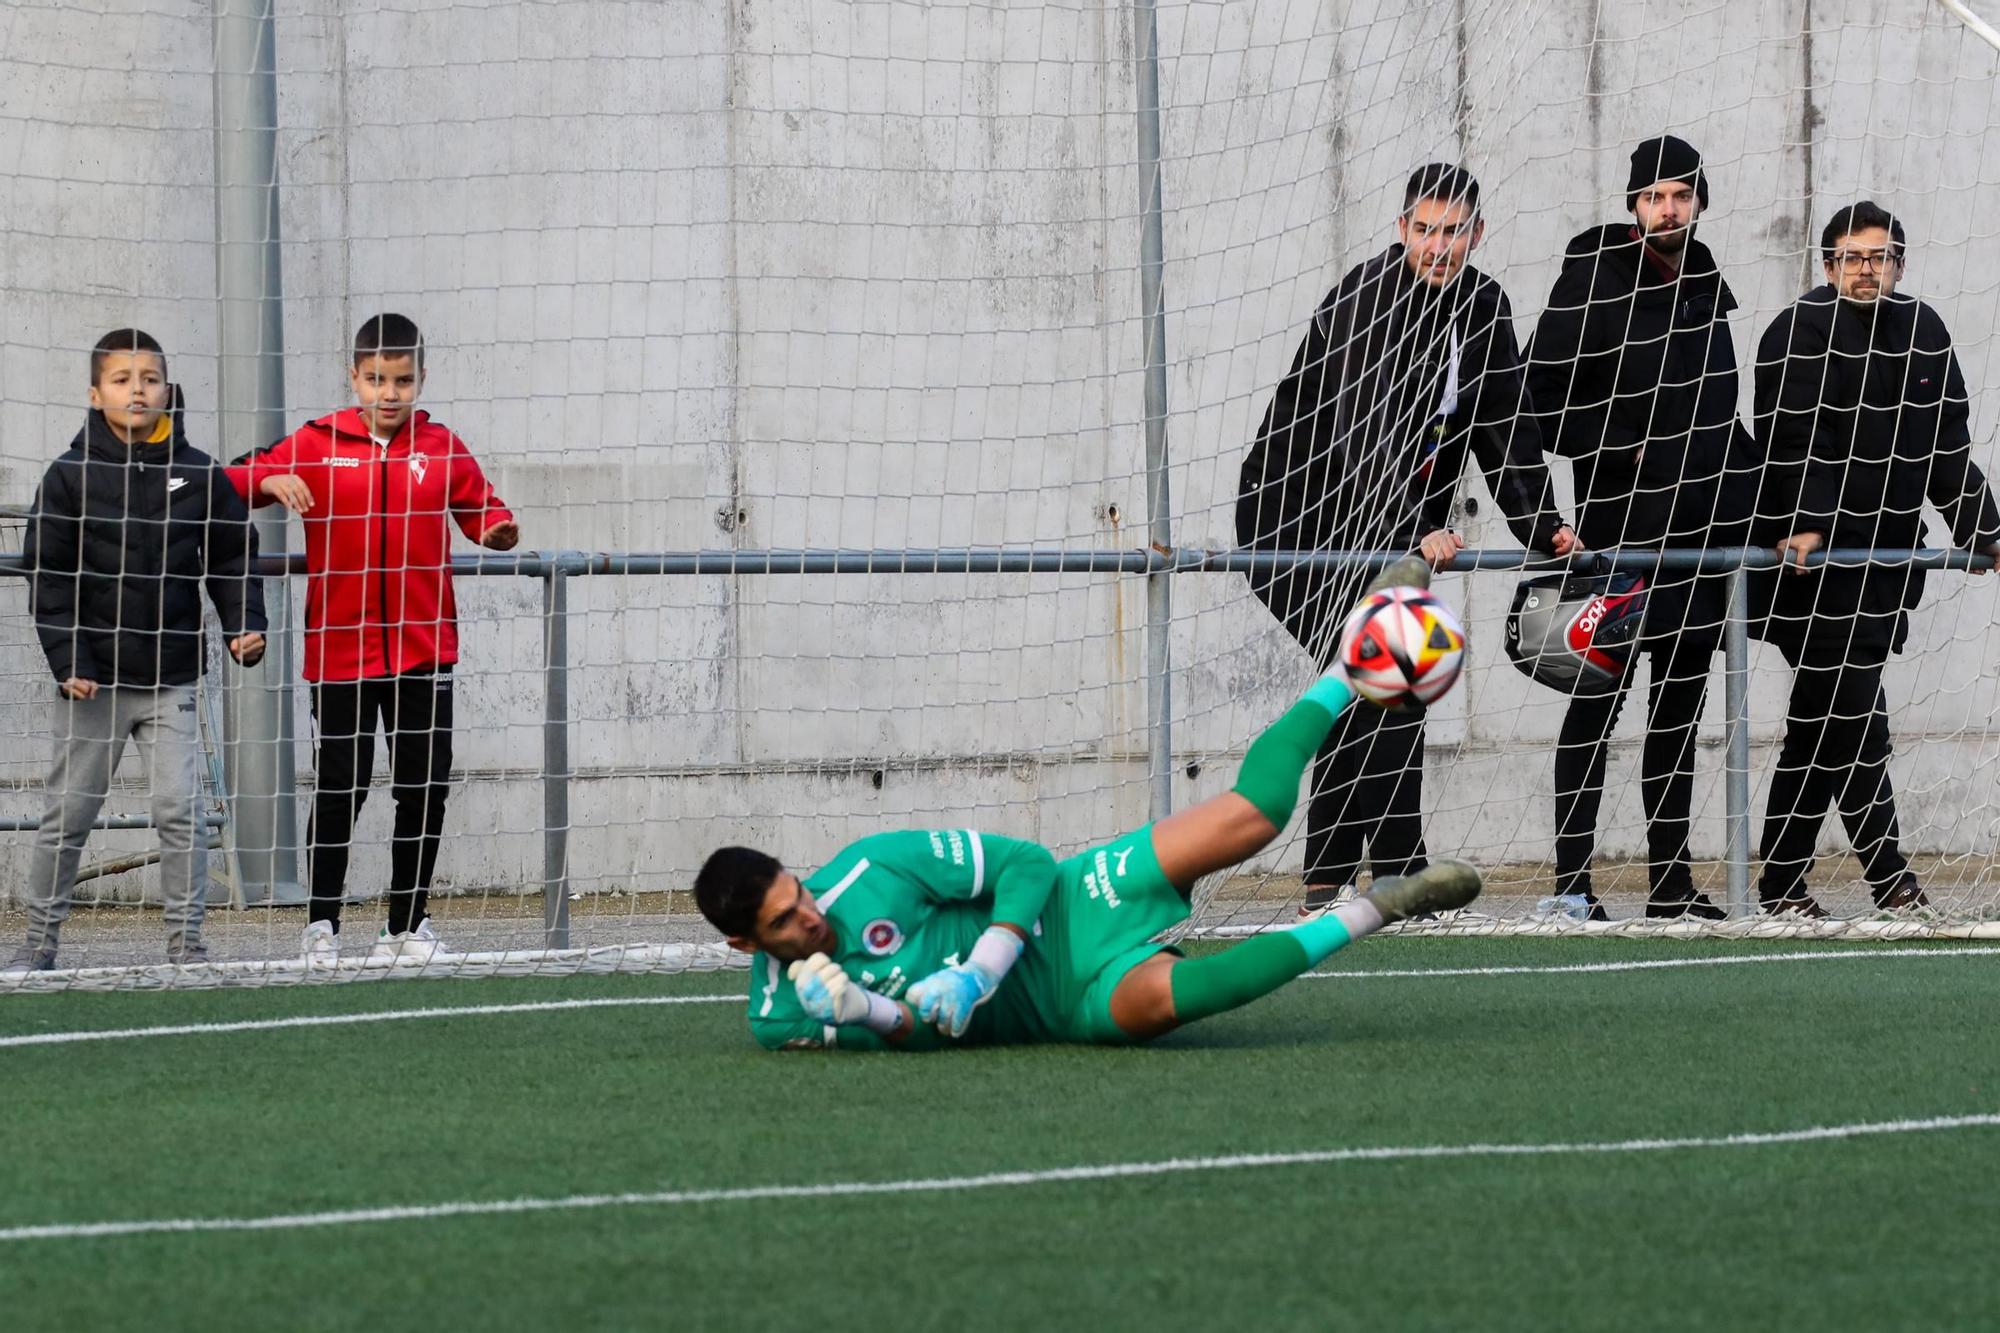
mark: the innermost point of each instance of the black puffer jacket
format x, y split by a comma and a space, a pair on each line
1633, 374
1356, 451
1862, 415
121, 541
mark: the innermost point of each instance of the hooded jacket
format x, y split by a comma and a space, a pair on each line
1365, 439
379, 598
121, 541
1862, 415
1632, 371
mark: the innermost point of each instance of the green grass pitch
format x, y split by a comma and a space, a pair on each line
1886, 1230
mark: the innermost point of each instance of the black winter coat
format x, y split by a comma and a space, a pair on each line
1355, 451
121, 540
1862, 415
1633, 373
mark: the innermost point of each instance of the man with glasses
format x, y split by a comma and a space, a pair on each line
1633, 372
1410, 363
1862, 415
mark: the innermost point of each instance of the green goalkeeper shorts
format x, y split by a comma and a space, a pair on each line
1108, 906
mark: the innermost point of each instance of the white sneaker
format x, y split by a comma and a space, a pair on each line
319, 945
420, 945
1317, 901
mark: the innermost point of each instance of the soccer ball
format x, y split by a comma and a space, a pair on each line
1402, 648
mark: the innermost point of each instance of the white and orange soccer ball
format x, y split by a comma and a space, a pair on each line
1402, 648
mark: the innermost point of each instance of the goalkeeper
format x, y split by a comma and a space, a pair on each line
914, 940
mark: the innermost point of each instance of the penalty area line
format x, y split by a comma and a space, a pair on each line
1656, 964
339, 1020
995, 1180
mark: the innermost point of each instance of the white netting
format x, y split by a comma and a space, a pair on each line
1794, 118
866, 275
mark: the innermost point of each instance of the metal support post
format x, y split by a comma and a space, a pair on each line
1736, 699
1153, 322
257, 714
555, 757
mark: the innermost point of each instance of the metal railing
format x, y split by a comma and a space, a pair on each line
556, 568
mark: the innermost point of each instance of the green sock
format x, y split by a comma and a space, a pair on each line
1269, 780
1259, 965
1276, 760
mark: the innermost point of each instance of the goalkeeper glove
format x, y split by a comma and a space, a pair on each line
829, 995
947, 997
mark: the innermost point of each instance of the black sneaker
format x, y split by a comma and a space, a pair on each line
1903, 895
1796, 903
25, 960
1686, 903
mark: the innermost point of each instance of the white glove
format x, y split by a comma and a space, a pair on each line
826, 993
948, 996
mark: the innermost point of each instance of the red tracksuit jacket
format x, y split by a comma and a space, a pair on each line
378, 552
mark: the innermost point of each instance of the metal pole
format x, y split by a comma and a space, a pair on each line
1979, 27
14, 824
555, 758
257, 716
1153, 322
1736, 780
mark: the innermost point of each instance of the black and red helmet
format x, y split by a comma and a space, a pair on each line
1577, 633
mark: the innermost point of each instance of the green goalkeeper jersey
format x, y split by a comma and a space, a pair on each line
903, 905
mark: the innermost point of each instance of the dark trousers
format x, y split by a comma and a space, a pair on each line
1367, 788
1836, 752
1678, 667
414, 712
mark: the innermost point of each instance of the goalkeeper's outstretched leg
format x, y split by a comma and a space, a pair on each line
1164, 992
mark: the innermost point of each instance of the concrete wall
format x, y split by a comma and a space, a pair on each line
706, 273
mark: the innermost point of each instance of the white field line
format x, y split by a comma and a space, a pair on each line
1652, 964
996, 1180
336, 1020
467, 1010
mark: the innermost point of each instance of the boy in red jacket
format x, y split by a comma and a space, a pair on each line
374, 485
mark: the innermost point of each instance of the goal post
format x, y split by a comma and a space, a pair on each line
699, 284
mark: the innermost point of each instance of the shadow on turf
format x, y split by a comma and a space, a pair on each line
1252, 1029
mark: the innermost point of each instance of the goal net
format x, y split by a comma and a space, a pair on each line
870, 278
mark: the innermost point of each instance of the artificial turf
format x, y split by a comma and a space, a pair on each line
1887, 1231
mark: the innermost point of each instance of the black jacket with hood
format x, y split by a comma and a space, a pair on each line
1358, 451
1862, 416
121, 540
1632, 371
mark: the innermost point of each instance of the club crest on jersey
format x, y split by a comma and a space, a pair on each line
418, 464
881, 936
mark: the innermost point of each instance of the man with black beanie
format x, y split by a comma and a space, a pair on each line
1632, 373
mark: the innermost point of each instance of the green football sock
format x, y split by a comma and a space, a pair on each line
1258, 966
1276, 760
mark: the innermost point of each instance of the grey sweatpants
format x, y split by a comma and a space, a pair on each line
90, 736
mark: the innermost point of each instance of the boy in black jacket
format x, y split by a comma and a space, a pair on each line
127, 528
1862, 416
